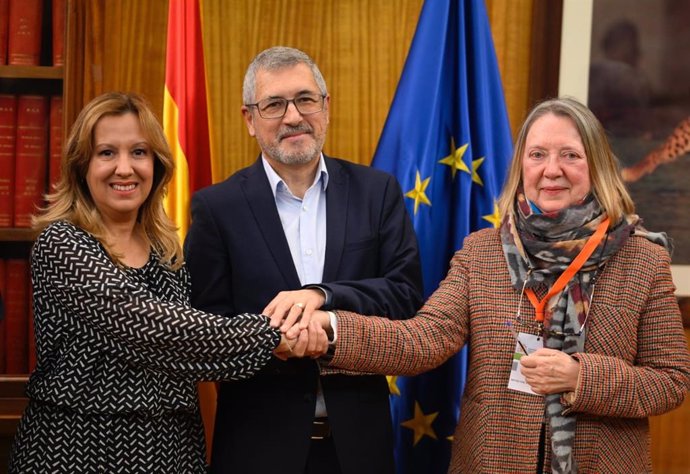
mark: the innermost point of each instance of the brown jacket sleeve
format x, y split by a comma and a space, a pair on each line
439, 330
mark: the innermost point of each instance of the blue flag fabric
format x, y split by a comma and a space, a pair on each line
448, 141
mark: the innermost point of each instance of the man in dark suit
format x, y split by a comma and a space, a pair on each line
295, 232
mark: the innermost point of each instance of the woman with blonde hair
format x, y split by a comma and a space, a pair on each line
562, 378
119, 349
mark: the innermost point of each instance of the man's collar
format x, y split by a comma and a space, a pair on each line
275, 180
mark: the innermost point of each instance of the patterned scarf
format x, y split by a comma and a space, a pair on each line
538, 248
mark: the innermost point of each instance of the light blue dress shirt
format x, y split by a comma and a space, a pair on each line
304, 222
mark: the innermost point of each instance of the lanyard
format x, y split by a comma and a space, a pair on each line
569, 272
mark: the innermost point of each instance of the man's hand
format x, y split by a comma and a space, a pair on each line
289, 307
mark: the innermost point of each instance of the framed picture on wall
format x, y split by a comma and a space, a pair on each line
636, 74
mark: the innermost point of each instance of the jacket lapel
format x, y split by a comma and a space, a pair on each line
262, 204
337, 195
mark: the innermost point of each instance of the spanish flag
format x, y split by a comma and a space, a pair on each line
185, 120
185, 113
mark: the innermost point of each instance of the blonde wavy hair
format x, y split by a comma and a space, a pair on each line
607, 184
72, 199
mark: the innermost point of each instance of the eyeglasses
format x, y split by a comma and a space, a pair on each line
552, 332
276, 107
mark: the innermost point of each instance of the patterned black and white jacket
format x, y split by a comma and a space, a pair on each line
119, 343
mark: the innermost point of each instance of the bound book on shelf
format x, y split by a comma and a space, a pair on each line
24, 41
3, 294
17, 317
55, 140
59, 11
30, 157
4, 29
8, 131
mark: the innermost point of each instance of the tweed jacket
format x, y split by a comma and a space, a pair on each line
635, 364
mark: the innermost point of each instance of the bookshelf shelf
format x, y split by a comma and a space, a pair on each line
13, 386
14, 234
12, 402
31, 72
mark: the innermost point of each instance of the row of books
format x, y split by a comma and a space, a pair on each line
30, 148
21, 32
17, 347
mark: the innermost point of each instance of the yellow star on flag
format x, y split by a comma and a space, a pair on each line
418, 193
393, 384
475, 166
454, 160
494, 218
421, 424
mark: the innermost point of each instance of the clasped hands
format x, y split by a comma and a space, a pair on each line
301, 323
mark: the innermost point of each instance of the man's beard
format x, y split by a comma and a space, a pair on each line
297, 157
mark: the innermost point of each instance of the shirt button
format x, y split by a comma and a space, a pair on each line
308, 252
304, 209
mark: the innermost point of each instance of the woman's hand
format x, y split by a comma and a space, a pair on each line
550, 371
284, 348
311, 342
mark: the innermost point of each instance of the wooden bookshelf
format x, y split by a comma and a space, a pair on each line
15, 243
31, 72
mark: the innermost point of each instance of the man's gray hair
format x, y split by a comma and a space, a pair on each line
275, 58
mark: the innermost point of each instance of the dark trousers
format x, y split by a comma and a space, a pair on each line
322, 457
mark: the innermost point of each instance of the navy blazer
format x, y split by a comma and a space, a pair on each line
239, 259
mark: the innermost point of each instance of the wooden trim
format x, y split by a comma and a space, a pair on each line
547, 19
73, 83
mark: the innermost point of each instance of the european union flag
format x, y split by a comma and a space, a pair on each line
448, 142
